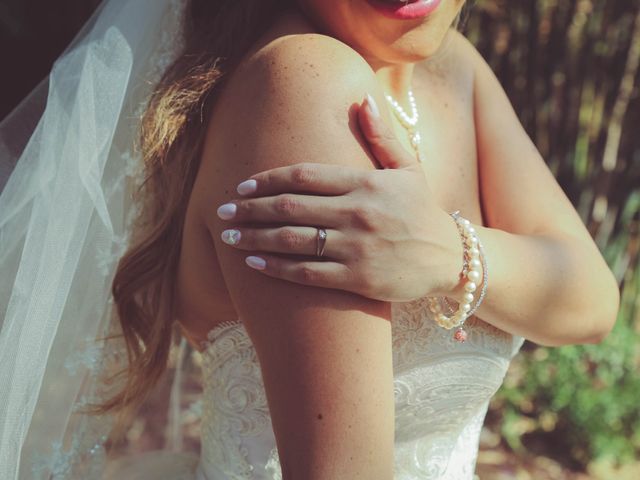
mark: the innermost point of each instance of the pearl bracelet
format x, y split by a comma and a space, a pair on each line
473, 259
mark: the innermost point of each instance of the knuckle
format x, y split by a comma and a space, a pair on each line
307, 274
387, 136
249, 240
365, 285
285, 205
274, 267
364, 217
243, 209
360, 250
372, 182
368, 282
357, 277
302, 175
264, 178
382, 136
288, 239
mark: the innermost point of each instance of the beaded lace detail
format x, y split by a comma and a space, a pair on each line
442, 390
81, 454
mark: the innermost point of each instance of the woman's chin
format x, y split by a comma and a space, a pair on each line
386, 31
413, 52
413, 46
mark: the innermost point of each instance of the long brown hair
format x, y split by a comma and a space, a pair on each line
217, 34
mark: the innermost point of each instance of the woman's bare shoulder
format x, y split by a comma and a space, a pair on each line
293, 99
293, 58
289, 95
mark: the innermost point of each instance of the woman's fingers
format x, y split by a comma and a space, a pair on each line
384, 144
317, 178
320, 274
290, 240
288, 208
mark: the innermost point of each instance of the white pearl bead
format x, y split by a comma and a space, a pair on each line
471, 241
474, 276
475, 264
465, 307
470, 287
468, 297
474, 252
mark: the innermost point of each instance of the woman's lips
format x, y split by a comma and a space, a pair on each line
405, 11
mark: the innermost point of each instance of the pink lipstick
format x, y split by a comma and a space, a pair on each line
405, 10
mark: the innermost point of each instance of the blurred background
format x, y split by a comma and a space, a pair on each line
571, 70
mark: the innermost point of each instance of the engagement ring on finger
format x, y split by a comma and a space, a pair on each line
322, 239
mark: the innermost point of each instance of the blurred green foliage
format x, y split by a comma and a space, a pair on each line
570, 69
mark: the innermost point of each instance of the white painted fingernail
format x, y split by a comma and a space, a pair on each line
373, 106
256, 262
246, 187
231, 237
227, 211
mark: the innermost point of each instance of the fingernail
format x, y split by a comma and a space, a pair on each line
246, 187
373, 106
227, 211
231, 237
256, 262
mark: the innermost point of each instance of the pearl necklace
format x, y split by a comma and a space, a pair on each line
409, 123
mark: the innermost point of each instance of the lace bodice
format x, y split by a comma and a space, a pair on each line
442, 390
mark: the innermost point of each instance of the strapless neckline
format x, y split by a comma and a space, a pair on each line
441, 388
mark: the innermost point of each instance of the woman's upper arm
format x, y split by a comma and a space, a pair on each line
325, 354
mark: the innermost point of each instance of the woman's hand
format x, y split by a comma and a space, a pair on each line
387, 238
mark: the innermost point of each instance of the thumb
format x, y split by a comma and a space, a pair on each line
384, 144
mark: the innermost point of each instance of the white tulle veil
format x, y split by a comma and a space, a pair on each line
68, 168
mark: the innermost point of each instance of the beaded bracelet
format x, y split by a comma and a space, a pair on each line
473, 258
485, 275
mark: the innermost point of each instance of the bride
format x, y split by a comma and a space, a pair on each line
328, 256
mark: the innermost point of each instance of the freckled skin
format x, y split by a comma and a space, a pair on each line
203, 282
443, 87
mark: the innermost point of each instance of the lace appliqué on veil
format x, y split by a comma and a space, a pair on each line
84, 455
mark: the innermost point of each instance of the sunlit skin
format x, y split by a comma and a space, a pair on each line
393, 49
291, 119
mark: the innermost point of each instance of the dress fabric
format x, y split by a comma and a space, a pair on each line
442, 390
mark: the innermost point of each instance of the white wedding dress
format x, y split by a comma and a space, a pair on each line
442, 390
77, 156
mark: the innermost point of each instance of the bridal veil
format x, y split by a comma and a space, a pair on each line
68, 168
